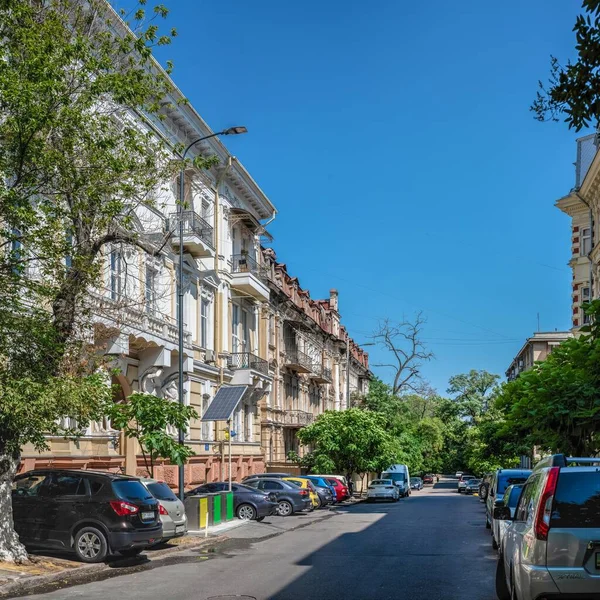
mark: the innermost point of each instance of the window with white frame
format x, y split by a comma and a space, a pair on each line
585, 294
117, 274
207, 427
237, 423
586, 241
204, 322
240, 329
150, 290
248, 422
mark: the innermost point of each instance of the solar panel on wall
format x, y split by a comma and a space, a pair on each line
224, 403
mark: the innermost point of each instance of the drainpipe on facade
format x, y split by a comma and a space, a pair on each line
589, 255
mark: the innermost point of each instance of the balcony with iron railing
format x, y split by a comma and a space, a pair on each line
296, 418
298, 361
249, 276
247, 360
321, 374
198, 234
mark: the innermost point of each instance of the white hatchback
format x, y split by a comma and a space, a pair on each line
383, 489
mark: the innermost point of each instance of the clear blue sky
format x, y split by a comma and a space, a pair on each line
396, 142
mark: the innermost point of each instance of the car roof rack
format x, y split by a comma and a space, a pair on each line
560, 460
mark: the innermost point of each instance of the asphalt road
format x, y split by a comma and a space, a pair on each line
430, 546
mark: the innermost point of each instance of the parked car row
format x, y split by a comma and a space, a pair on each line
547, 530
94, 513
545, 526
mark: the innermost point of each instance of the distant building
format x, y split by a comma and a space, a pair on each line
582, 204
536, 349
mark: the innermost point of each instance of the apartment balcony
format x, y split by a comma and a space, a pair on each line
321, 374
247, 360
198, 235
296, 418
249, 277
249, 369
298, 361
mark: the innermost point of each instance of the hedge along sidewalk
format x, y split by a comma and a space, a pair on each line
43, 571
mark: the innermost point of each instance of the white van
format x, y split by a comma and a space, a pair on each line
400, 476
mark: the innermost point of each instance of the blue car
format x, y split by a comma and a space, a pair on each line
322, 482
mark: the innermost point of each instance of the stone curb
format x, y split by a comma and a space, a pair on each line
77, 574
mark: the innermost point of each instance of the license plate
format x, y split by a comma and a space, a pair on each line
597, 560
180, 529
147, 516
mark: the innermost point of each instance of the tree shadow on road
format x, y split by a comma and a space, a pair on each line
427, 547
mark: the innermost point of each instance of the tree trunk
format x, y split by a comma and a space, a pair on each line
11, 549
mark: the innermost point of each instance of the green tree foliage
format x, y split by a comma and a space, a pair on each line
473, 392
76, 166
573, 90
145, 418
556, 404
350, 441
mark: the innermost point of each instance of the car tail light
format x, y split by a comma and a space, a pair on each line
123, 508
304, 492
162, 510
542, 520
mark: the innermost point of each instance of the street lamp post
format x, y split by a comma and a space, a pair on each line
230, 131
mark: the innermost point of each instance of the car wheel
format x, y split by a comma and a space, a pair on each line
319, 503
246, 512
284, 509
131, 552
502, 590
90, 545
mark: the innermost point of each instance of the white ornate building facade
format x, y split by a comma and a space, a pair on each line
246, 322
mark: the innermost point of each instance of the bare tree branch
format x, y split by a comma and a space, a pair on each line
403, 341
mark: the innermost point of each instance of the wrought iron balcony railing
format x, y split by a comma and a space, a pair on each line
321, 374
298, 360
244, 263
193, 224
297, 418
247, 360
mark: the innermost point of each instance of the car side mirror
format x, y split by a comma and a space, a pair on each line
499, 502
502, 513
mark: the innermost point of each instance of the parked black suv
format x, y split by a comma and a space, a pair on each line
89, 513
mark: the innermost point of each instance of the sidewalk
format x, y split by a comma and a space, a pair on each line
45, 572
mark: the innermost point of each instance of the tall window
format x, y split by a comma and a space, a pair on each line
248, 422
150, 290
204, 309
585, 294
240, 332
586, 241
117, 274
235, 323
206, 428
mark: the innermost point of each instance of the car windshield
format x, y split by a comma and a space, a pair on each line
577, 500
401, 477
381, 482
161, 491
130, 489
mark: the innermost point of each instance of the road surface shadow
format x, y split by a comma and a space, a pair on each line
426, 547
